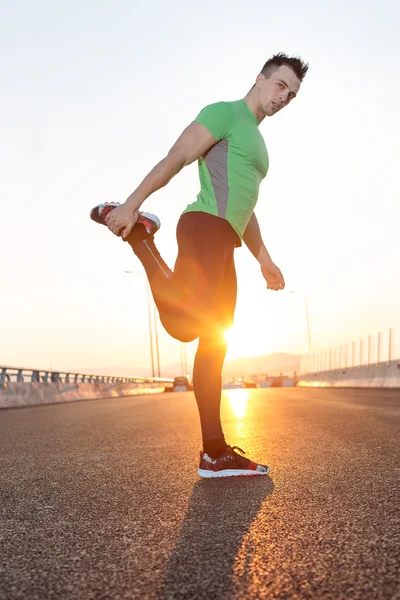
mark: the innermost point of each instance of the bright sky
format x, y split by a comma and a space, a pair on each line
93, 96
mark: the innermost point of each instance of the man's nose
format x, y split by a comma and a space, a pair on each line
284, 95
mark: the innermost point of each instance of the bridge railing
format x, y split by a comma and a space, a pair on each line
374, 350
20, 374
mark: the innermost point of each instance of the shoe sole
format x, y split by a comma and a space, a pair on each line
96, 216
153, 218
230, 473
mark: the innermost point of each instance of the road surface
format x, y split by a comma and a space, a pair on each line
101, 499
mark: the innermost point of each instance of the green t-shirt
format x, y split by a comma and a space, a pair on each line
231, 172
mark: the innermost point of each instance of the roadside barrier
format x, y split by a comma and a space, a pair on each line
28, 387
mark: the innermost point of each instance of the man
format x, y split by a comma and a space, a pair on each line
197, 299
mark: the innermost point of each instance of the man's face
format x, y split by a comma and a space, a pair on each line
278, 90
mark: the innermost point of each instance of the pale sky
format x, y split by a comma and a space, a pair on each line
93, 94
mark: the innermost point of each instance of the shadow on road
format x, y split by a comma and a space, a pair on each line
219, 515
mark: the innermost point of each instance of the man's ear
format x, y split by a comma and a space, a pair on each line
260, 78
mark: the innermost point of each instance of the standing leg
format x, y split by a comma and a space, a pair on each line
207, 385
209, 360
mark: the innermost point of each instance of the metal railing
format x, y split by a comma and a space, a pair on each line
18, 374
351, 355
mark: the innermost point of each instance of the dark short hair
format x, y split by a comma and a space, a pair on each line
295, 63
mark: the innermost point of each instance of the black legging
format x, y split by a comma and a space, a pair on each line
197, 300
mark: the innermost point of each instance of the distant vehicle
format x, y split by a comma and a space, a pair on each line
283, 381
276, 382
182, 383
250, 383
234, 384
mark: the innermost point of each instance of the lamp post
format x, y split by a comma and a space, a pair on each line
183, 358
150, 327
307, 314
155, 332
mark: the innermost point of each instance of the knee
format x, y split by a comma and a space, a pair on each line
180, 329
184, 336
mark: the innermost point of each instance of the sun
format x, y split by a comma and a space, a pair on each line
228, 335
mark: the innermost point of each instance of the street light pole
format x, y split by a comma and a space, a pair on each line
183, 358
308, 321
150, 329
150, 326
156, 335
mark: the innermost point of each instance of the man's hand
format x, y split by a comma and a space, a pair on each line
272, 276
122, 219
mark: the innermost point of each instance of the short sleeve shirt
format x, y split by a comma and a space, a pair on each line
231, 172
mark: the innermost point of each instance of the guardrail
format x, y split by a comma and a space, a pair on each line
382, 375
18, 374
371, 351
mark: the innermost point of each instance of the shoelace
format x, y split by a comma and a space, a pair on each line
237, 448
241, 461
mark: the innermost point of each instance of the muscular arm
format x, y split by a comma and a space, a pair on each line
253, 240
194, 141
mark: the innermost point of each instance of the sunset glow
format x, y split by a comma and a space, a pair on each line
243, 342
238, 400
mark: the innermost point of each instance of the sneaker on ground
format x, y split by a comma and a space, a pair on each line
230, 464
150, 222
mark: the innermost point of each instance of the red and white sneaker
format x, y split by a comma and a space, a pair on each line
230, 464
149, 221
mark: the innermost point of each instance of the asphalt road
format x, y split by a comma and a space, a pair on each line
101, 499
